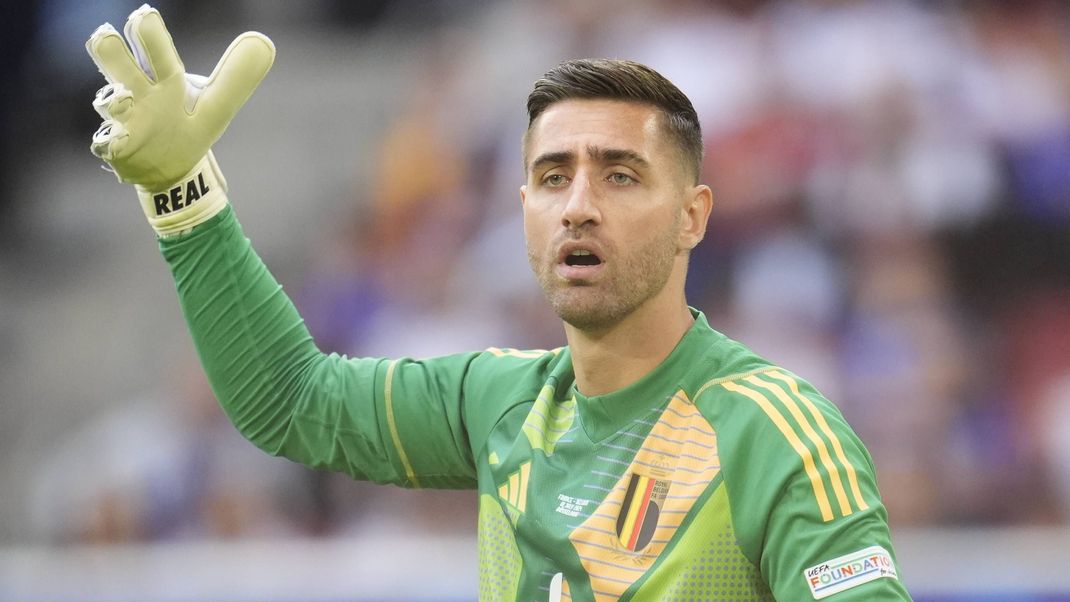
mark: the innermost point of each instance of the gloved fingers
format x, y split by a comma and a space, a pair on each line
151, 44
235, 77
109, 140
108, 50
114, 102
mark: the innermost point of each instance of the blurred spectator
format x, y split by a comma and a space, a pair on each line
1025, 48
1035, 337
904, 371
1055, 433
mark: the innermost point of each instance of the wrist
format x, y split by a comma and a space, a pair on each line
193, 199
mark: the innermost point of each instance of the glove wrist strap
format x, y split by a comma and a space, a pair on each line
194, 199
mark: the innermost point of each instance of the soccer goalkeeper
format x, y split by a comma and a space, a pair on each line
650, 459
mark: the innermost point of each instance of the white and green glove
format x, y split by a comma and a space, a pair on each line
160, 123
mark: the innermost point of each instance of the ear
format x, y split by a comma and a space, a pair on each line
695, 215
523, 193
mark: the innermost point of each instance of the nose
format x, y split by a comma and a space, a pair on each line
581, 207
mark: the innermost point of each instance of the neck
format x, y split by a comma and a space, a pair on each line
610, 359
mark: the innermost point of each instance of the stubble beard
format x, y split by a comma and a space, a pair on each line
630, 280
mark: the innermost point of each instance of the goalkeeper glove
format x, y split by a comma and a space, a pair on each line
160, 123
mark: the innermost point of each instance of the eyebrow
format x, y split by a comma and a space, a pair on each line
600, 155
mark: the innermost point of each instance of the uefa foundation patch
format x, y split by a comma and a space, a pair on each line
843, 573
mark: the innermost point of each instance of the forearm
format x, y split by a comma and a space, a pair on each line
272, 381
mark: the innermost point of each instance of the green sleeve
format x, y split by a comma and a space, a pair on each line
804, 495
389, 421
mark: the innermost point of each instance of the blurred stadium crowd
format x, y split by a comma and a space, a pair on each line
891, 221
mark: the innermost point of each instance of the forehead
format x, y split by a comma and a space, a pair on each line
577, 124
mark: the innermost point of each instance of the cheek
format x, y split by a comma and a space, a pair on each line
536, 225
533, 241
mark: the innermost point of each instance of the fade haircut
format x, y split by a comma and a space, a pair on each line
612, 79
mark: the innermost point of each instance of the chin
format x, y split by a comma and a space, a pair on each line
589, 314
587, 322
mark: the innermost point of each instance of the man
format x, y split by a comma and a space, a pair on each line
650, 459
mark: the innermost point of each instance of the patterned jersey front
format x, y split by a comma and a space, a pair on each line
718, 476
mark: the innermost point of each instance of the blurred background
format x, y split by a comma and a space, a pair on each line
892, 221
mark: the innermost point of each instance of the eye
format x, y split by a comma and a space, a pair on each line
555, 180
621, 178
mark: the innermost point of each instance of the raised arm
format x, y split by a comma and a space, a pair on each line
388, 421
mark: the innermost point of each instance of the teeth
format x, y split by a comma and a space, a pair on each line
581, 252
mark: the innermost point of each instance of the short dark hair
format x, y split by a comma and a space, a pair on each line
614, 79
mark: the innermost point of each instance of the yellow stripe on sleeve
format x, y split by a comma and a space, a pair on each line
388, 395
822, 449
852, 476
796, 443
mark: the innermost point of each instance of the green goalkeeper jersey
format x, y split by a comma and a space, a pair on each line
717, 476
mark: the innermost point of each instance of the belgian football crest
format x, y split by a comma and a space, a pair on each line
639, 512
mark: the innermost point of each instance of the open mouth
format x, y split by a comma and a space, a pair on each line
580, 262
582, 258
